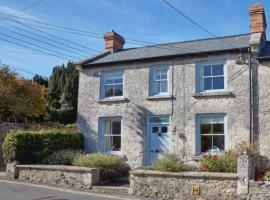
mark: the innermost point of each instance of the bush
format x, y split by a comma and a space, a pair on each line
31, 147
111, 167
226, 162
170, 162
267, 176
245, 148
62, 157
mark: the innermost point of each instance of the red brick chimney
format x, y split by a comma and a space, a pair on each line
113, 41
257, 18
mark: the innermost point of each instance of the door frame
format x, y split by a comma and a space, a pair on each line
148, 135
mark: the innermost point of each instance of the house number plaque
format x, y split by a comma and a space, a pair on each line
196, 190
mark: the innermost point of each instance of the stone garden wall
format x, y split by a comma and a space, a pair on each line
183, 185
78, 177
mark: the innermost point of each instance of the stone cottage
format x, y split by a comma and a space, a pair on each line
186, 97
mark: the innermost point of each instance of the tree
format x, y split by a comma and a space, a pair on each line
63, 94
20, 99
41, 80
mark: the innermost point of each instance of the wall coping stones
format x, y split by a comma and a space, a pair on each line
187, 174
57, 167
78, 177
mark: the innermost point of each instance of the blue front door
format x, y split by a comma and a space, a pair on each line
159, 137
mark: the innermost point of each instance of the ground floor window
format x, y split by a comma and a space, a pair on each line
110, 136
211, 132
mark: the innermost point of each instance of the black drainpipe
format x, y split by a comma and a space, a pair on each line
250, 100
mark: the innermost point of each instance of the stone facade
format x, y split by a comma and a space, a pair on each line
183, 107
168, 185
78, 177
264, 108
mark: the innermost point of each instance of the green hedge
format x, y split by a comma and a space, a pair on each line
31, 147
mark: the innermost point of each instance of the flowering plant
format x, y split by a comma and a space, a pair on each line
226, 162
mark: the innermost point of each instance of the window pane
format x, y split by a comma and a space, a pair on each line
217, 70
206, 143
207, 83
118, 90
205, 128
164, 129
157, 75
109, 90
163, 74
218, 141
218, 83
116, 143
207, 70
119, 80
159, 120
116, 128
218, 128
163, 86
109, 81
154, 129
107, 127
156, 87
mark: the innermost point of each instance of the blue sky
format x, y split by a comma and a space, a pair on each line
147, 20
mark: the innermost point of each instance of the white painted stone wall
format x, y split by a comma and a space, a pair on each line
183, 108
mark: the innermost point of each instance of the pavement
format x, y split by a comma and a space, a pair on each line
13, 190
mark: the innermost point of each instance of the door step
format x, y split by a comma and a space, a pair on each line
117, 190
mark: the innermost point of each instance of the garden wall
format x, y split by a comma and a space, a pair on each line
4, 129
78, 177
183, 185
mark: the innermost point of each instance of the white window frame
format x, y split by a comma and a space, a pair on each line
100, 134
199, 75
198, 129
153, 70
104, 76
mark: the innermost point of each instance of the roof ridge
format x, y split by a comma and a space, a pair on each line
186, 41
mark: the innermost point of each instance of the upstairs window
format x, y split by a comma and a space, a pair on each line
212, 77
112, 85
159, 81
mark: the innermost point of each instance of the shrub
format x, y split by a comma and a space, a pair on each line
111, 167
170, 162
245, 148
226, 162
267, 176
33, 146
62, 157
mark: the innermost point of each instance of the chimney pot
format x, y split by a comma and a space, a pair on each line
113, 41
257, 18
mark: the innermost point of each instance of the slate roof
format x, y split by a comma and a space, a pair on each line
265, 54
226, 43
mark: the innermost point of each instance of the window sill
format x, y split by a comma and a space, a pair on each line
114, 100
159, 97
213, 94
